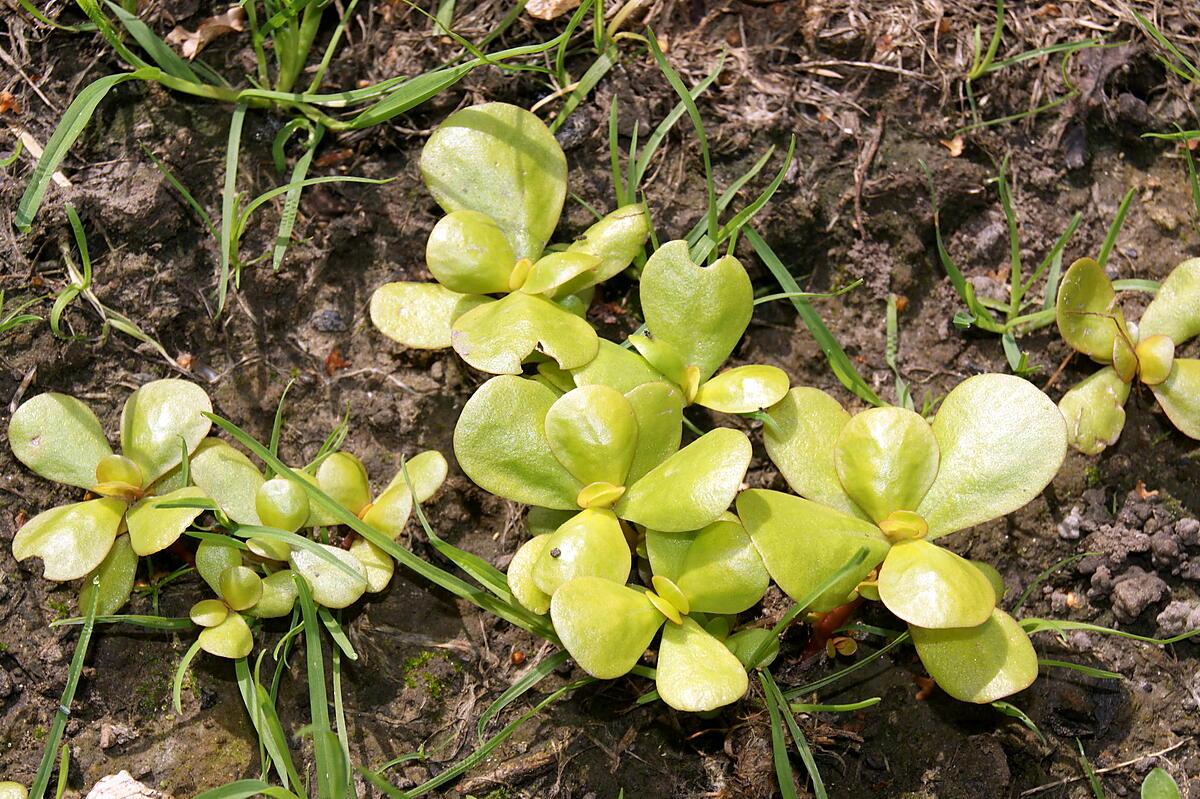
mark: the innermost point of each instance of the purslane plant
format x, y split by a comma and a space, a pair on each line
695, 316
501, 177
1091, 321
886, 481
59, 438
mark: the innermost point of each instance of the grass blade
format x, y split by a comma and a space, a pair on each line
801, 743
332, 767
291, 204
158, 50
839, 362
519, 688
229, 204
1110, 238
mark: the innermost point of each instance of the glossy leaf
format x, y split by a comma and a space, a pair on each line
617, 367
331, 587
500, 160
593, 433
390, 511
659, 410
283, 504
979, 664
1175, 310
427, 470
745, 643
1001, 442
156, 417
932, 587
153, 528
241, 587
343, 477
803, 543
555, 274
229, 639
279, 595
212, 560
886, 459
615, 240
1155, 357
208, 612
605, 626
520, 575
744, 389
717, 569
58, 438
228, 478
696, 672
501, 444
544, 521
664, 358
809, 422
1087, 313
1179, 396
1094, 411
701, 311
377, 564
116, 573
1160, 785
419, 315
498, 336
468, 253
691, 488
71, 540
590, 544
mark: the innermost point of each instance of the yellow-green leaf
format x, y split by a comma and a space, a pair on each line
59, 438
228, 478
615, 240
498, 336
116, 573
71, 540
696, 672
717, 568
229, 639
156, 417
153, 528
1094, 411
468, 253
1087, 312
1179, 396
744, 389
593, 432
1175, 310
331, 587
932, 587
886, 459
589, 544
809, 422
605, 626
617, 367
419, 315
979, 664
520, 575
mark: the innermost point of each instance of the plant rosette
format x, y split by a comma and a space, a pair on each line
500, 176
260, 508
887, 481
695, 316
1090, 320
59, 438
700, 579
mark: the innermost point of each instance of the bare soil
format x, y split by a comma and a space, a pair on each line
870, 89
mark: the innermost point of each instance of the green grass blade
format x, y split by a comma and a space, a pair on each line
1110, 238
743, 217
73, 121
595, 73
176, 184
519, 688
164, 623
839, 362
158, 50
779, 750
298, 541
180, 673
228, 240
656, 138
246, 789
337, 633
801, 743
697, 233
291, 204
271, 737
830, 679
41, 780
1091, 671
1011, 710
331, 765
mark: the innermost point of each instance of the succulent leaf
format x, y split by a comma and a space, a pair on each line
1179, 396
498, 336
1175, 310
589, 544
717, 568
502, 161
153, 528
420, 316
468, 253
71, 540
744, 389
979, 664
886, 459
615, 240
804, 543
520, 575
116, 573
228, 478
1087, 312
1094, 410
58, 438
593, 432
156, 417
1001, 441
229, 639
331, 587
932, 587
696, 672
701, 311
605, 626
500, 442
809, 422
691, 488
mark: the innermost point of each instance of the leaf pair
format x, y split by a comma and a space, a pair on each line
887, 481
241, 590
1091, 321
607, 625
500, 176
595, 447
60, 438
695, 316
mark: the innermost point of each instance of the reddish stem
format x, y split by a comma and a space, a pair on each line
823, 629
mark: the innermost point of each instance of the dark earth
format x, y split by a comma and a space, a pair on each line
870, 89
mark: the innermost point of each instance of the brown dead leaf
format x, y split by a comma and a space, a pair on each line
955, 146
9, 104
334, 362
190, 43
549, 9
1142, 492
334, 157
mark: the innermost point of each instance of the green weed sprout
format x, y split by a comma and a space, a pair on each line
59, 438
886, 481
1090, 320
695, 316
501, 177
267, 512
